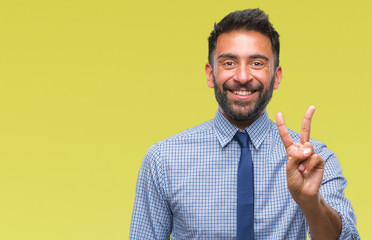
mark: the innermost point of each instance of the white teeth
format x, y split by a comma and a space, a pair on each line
243, 93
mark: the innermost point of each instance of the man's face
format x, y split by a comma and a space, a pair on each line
243, 74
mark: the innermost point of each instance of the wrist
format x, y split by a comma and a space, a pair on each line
311, 203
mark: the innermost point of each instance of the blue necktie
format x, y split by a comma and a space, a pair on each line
245, 202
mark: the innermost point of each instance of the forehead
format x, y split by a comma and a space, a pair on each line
243, 44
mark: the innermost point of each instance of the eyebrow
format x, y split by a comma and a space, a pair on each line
227, 55
233, 56
260, 56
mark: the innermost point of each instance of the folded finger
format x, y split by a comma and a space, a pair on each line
308, 149
315, 161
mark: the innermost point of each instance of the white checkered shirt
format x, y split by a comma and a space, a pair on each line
187, 185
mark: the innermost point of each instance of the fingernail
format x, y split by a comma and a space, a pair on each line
301, 167
305, 171
307, 151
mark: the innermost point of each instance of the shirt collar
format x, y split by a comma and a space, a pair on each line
257, 131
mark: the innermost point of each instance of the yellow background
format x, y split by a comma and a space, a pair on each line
86, 87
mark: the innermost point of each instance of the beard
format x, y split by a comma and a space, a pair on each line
244, 110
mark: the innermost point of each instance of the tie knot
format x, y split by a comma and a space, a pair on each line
242, 139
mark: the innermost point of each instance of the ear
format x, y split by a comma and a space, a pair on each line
278, 77
209, 72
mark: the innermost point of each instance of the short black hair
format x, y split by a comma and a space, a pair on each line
249, 20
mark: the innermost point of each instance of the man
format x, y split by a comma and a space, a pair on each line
241, 176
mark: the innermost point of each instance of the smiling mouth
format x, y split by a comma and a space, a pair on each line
243, 92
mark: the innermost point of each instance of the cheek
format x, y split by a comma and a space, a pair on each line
263, 76
225, 75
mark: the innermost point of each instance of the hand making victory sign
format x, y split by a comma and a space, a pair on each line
305, 171
304, 167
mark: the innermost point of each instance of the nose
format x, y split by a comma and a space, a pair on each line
243, 74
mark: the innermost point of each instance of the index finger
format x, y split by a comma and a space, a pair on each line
283, 131
306, 123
